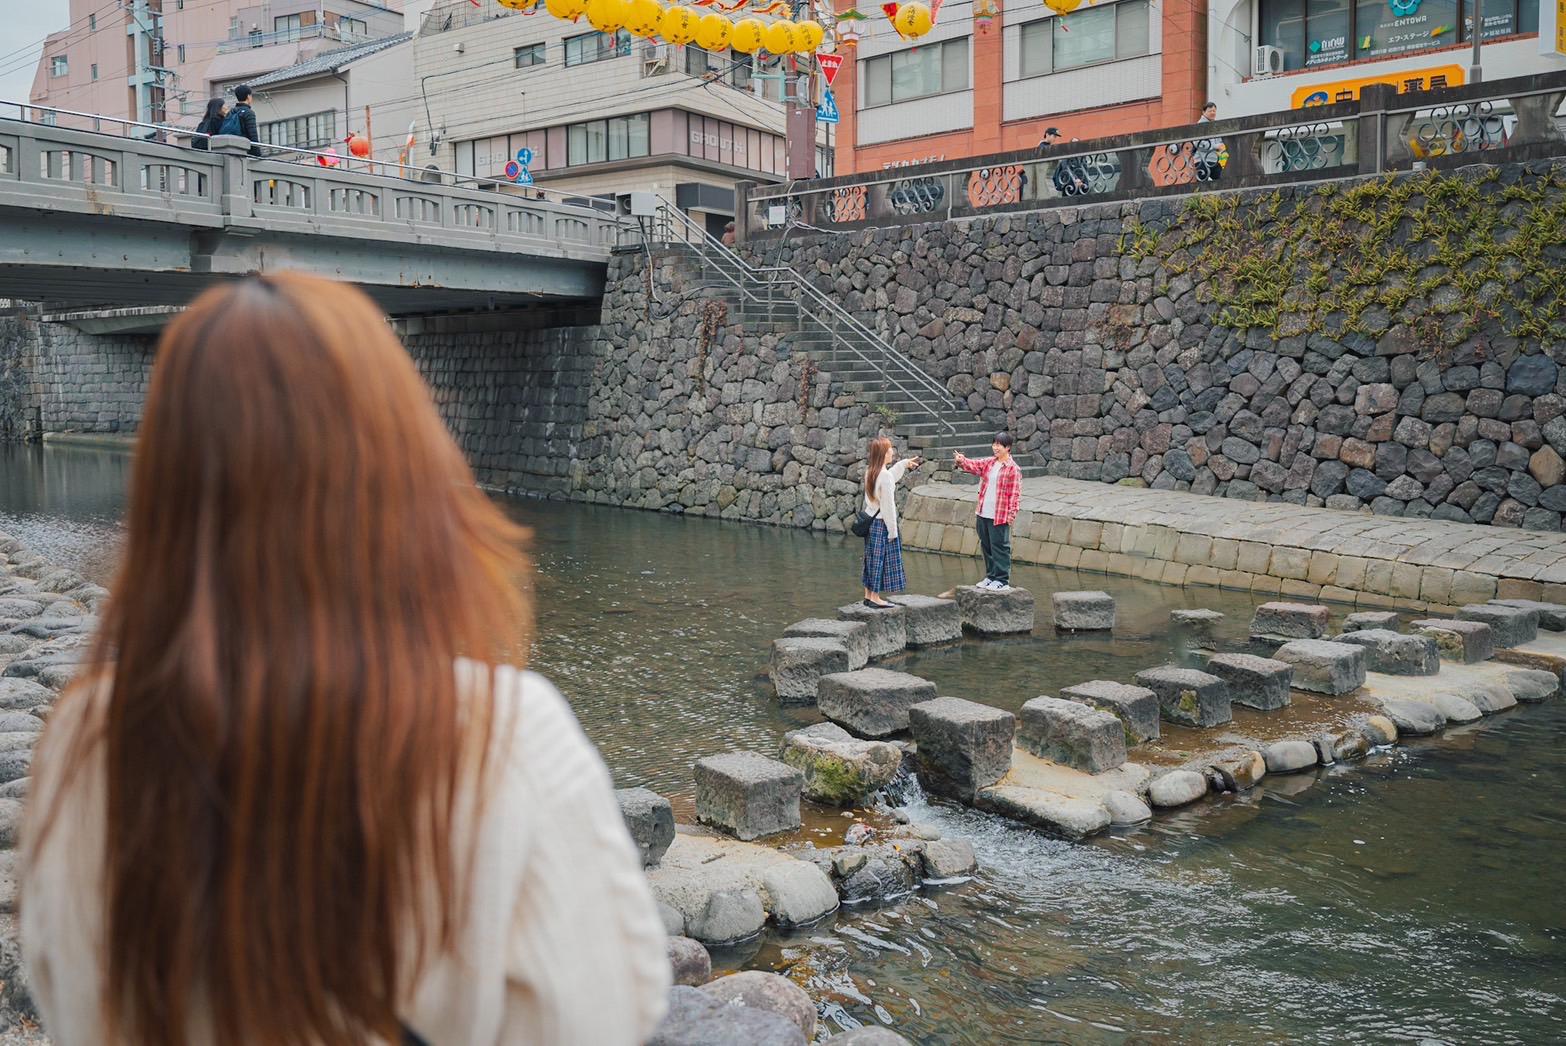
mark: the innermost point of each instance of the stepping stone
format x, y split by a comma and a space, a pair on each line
855, 635
888, 631
1362, 620
995, 613
1552, 616
1177, 788
1513, 626
1287, 757
872, 702
1083, 611
1324, 667
650, 820
1531, 686
1289, 621
798, 664
1188, 697
963, 746
1456, 709
1466, 642
1414, 718
1069, 816
1261, 683
839, 769
1394, 653
1135, 706
1197, 625
930, 620
747, 795
1071, 734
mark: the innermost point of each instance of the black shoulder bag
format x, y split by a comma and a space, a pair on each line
861, 524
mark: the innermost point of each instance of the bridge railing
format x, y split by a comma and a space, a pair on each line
1496, 121
139, 173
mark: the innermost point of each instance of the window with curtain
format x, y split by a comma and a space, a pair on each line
1088, 36
917, 73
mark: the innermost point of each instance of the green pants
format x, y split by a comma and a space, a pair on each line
995, 542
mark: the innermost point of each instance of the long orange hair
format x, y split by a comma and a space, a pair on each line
274, 690
880, 453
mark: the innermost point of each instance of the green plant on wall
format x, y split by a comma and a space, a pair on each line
887, 415
1441, 254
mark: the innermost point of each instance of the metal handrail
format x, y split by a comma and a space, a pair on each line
710, 244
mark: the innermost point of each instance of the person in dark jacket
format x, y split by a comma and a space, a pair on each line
211, 123
242, 119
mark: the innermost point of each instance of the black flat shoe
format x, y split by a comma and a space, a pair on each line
880, 606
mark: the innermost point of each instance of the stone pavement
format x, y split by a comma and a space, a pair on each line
1269, 548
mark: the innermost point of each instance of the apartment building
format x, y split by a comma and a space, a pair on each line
602, 115
991, 77
160, 60
1269, 55
366, 88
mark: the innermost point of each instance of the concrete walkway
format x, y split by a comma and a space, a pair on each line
1269, 548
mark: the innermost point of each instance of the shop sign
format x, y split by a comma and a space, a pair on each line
1348, 90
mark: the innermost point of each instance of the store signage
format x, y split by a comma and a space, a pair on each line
1348, 90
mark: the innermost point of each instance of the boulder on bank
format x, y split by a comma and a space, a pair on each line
1068, 816
840, 769
689, 963
1531, 686
1177, 788
1414, 718
697, 1018
757, 990
1287, 757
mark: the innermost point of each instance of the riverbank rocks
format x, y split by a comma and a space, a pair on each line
1196, 626
1256, 682
868, 1035
650, 820
1530, 686
1324, 667
719, 890
696, 1018
930, 620
875, 873
798, 664
1378, 729
766, 991
1187, 697
854, 635
1073, 817
1488, 697
1466, 642
1285, 621
1414, 718
1287, 757
689, 963
839, 769
1361, 620
1552, 616
747, 795
872, 702
947, 859
1071, 734
1135, 706
1510, 626
988, 612
1456, 709
1395, 654
1176, 788
963, 746
1083, 611
1125, 808
886, 631
1233, 769
24, 694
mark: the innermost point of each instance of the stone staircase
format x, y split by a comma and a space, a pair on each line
779, 301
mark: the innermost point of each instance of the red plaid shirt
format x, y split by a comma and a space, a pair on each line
1008, 487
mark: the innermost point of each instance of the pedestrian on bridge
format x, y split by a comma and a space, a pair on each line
1000, 496
241, 120
211, 123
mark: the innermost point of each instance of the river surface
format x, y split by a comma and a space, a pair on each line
1417, 896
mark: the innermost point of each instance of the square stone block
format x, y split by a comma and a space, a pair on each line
1290, 621
1188, 697
888, 629
1083, 611
1255, 682
747, 795
650, 820
929, 619
1361, 620
1324, 667
1071, 734
798, 664
872, 702
1396, 654
1552, 616
855, 635
1196, 625
1135, 706
963, 746
991, 613
1467, 642
1511, 626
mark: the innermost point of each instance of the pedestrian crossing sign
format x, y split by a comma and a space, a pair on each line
827, 112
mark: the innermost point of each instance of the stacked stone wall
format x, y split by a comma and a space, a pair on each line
55, 378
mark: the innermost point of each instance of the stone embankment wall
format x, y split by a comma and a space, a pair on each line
1389, 343
55, 378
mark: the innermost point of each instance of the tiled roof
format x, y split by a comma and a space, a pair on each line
330, 61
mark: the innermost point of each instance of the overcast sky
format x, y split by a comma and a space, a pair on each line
25, 24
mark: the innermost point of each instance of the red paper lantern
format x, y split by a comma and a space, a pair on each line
359, 145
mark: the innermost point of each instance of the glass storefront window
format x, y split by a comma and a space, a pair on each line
1328, 24
1326, 32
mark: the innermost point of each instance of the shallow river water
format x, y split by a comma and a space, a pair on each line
1418, 896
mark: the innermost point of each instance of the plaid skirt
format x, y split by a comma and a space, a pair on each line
883, 561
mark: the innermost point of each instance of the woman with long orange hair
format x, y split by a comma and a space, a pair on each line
883, 569
304, 793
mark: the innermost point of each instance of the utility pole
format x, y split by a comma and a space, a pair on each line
1475, 70
801, 146
144, 26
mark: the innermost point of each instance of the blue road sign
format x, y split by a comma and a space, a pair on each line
525, 157
827, 112
524, 177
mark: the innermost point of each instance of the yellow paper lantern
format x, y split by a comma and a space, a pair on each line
713, 32
914, 20
570, 10
1063, 7
678, 25
606, 16
746, 35
779, 37
644, 17
813, 35
518, 5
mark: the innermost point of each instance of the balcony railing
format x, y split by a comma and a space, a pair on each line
249, 41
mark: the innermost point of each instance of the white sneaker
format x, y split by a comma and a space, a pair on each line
999, 586
986, 583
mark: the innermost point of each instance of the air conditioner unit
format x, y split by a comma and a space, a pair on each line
655, 60
1266, 61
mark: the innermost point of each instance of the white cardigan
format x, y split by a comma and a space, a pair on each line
886, 496
562, 942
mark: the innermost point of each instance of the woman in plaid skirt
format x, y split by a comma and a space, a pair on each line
883, 570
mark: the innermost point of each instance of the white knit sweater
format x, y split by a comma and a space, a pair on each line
886, 496
562, 944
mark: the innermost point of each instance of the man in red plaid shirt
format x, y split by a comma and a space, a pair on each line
1000, 494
